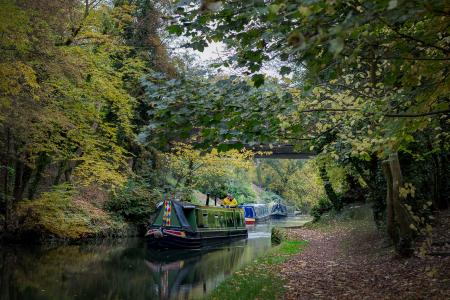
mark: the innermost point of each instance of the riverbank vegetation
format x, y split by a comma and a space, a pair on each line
259, 279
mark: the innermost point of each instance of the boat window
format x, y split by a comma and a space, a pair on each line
203, 219
249, 212
216, 221
229, 219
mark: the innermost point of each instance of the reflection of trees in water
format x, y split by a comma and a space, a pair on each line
77, 272
124, 270
194, 273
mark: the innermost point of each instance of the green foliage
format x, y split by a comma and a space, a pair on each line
71, 99
241, 190
64, 214
228, 112
323, 206
299, 182
135, 202
349, 216
354, 99
70, 106
213, 172
268, 196
277, 235
276, 173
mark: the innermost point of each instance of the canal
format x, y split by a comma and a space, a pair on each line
126, 269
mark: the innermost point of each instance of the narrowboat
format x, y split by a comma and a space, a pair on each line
185, 225
279, 211
255, 213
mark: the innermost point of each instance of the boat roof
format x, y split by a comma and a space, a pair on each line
189, 205
253, 204
184, 204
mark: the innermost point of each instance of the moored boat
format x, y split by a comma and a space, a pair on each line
279, 211
186, 225
255, 213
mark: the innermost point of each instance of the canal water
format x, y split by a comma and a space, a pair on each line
126, 269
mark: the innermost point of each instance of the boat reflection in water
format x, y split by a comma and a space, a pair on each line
126, 269
192, 274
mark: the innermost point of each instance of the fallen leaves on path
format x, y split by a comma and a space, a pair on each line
356, 262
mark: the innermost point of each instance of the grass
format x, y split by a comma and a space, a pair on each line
258, 280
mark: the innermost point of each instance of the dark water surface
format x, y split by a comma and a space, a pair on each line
125, 269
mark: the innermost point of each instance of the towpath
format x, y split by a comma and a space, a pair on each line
354, 261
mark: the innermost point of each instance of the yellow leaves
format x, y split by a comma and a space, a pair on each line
186, 162
17, 78
407, 189
13, 27
304, 11
433, 272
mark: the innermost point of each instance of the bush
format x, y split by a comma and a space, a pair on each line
323, 206
63, 214
135, 202
277, 236
242, 191
268, 196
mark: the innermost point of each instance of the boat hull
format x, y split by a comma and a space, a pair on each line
278, 216
262, 219
196, 240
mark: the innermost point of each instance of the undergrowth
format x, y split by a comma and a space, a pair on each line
259, 280
346, 217
64, 214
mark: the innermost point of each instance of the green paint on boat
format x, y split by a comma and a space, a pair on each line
194, 225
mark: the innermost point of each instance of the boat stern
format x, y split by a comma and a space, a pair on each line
250, 221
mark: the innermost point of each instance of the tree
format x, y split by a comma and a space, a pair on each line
375, 75
69, 105
209, 171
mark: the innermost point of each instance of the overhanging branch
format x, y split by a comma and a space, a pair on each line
388, 115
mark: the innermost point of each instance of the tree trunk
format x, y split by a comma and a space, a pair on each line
189, 180
22, 177
331, 194
443, 183
402, 218
258, 173
390, 220
62, 166
5, 166
42, 163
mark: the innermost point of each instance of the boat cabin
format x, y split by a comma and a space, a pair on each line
255, 212
279, 211
182, 224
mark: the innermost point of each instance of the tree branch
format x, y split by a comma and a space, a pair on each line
409, 58
412, 38
406, 115
389, 115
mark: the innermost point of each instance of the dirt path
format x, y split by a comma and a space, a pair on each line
355, 262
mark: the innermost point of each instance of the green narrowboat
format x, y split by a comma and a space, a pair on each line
185, 225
